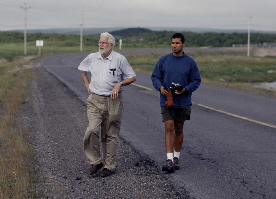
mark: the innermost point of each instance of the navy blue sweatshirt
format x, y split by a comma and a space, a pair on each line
176, 69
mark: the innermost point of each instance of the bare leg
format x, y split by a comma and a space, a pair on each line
169, 141
178, 137
169, 136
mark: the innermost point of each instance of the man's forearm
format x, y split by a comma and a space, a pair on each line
85, 78
86, 81
128, 81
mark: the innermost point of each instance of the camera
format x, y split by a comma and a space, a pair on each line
176, 87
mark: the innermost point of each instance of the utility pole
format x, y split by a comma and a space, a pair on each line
81, 27
25, 7
248, 39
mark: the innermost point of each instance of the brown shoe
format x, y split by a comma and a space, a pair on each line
176, 163
95, 168
105, 172
169, 167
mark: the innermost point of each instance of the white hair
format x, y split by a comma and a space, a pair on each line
111, 39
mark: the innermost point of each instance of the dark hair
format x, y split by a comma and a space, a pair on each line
179, 35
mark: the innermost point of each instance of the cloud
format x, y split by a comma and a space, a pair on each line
139, 13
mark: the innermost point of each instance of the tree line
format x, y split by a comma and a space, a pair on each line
141, 37
194, 39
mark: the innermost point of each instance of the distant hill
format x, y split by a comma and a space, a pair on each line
127, 31
71, 31
120, 30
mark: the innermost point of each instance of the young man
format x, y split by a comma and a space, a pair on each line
176, 76
109, 72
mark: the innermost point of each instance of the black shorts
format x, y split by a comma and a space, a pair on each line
176, 114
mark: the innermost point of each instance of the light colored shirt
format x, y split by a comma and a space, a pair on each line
105, 73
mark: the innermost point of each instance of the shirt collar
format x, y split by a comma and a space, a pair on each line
110, 56
178, 57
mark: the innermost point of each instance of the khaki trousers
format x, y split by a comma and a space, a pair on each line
100, 139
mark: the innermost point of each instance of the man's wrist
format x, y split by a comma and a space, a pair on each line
120, 83
160, 88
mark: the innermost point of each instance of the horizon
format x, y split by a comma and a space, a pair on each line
111, 29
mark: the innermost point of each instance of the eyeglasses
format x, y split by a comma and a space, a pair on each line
102, 42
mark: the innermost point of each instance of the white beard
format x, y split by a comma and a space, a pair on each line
104, 51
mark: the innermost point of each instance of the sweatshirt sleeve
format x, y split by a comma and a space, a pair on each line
195, 78
157, 75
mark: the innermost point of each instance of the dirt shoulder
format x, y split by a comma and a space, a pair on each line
56, 121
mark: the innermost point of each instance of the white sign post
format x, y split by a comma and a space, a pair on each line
39, 43
120, 44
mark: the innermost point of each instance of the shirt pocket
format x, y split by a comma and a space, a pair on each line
113, 75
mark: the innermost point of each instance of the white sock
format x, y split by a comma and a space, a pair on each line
170, 156
176, 154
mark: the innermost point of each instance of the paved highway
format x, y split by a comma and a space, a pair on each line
229, 144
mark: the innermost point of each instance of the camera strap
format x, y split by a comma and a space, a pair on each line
169, 100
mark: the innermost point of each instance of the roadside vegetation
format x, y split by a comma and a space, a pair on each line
223, 69
11, 43
227, 68
15, 154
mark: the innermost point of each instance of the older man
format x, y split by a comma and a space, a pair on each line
110, 71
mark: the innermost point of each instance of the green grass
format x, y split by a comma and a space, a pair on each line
237, 68
144, 62
15, 154
228, 68
223, 70
9, 51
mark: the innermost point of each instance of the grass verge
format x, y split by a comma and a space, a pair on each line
225, 70
15, 154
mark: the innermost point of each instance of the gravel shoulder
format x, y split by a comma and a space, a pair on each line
56, 122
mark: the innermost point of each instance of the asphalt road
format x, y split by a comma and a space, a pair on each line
229, 143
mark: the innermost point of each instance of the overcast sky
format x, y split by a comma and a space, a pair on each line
217, 14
